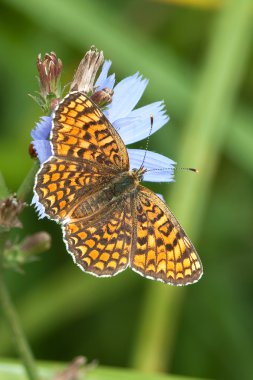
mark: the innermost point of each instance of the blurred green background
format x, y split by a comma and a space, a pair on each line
198, 57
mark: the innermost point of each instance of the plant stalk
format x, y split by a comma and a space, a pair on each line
21, 343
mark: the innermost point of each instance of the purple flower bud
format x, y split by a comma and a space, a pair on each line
49, 69
102, 97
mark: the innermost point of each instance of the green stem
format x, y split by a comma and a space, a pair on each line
27, 185
22, 345
3, 187
202, 142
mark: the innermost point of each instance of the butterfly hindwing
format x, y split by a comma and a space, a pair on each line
101, 244
163, 251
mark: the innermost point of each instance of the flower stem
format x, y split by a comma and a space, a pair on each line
12, 318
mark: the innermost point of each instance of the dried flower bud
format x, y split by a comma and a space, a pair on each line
36, 243
102, 97
86, 73
10, 208
72, 371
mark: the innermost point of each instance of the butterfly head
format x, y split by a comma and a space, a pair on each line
138, 174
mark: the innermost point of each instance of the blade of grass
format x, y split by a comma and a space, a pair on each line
200, 4
3, 187
239, 141
10, 370
202, 140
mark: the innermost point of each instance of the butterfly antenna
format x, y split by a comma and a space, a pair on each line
174, 168
189, 169
147, 143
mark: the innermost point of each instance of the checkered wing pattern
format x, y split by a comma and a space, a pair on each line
62, 184
162, 249
101, 244
82, 133
108, 220
87, 154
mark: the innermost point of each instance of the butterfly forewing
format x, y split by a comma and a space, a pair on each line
82, 133
61, 184
87, 154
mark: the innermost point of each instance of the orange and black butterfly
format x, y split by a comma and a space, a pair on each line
109, 220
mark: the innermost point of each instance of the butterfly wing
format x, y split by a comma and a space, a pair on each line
101, 244
87, 154
60, 184
162, 250
81, 133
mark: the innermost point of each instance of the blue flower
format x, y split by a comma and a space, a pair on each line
132, 125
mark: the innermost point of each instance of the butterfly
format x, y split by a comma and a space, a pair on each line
109, 220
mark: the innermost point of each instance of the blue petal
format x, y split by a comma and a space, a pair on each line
104, 81
38, 206
160, 168
43, 149
42, 128
109, 82
126, 95
137, 125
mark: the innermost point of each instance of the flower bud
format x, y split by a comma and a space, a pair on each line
10, 208
16, 255
49, 69
35, 244
102, 97
73, 369
32, 152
